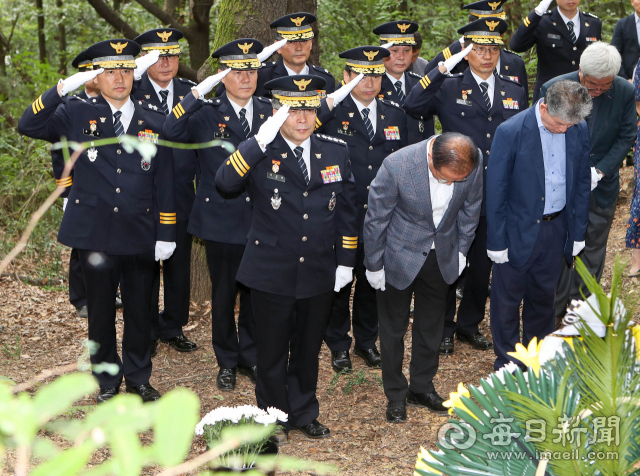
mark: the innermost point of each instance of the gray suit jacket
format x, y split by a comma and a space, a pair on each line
399, 228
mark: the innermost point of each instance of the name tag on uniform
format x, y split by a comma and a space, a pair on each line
91, 133
279, 178
331, 174
345, 132
463, 102
510, 104
554, 37
392, 133
221, 135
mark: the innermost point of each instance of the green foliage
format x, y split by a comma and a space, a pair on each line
12, 351
354, 379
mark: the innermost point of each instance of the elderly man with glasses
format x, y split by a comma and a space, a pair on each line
612, 131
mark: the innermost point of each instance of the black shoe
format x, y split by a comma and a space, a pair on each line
459, 294
432, 401
83, 311
146, 392
371, 356
281, 437
340, 361
396, 411
477, 340
315, 430
251, 372
107, 394
226, 379
154, 347
181, 343
119, 304
446, 346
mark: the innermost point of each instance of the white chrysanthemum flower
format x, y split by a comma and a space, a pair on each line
265, 419
279, 414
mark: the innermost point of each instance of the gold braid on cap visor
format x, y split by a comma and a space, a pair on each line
241, 61
298, 100
295, 33
484, 37
85, 66
398, 40
367, 68
165, 49
484, 14
115, 62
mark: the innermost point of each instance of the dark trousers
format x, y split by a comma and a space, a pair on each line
291, 332
593, 256
77, 292
430, 291
176, 274
232, 346
533, 285
365, 313
102, 273
475, 288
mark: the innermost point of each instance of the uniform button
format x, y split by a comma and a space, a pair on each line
304, 238
257, 242
117, 190
485, 167
305, 194
77, 201
115, 209
553, 45
575, 48
573, 62
462, 113
147, 210
119, 151
488, 152
366, 206
370, 147
206, 199
489, 118
424, 253
275, 190
248, 199
370, 167
302, 259
543, 199
305, 216
119, 171
488, 136
368, 187
537, 221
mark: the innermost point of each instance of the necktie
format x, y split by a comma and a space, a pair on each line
305, 173
117, 125
485, 94
244, 122
367, 123
398, 86
571, 32
165, 105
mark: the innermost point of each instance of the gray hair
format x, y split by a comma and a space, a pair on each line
600, 60
569, 101
275, 103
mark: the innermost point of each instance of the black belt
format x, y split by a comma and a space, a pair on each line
551, 216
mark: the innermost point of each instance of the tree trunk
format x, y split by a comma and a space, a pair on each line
310, 6
200, 281
62, 48
41, 40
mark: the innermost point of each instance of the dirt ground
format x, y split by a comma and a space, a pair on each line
363, 443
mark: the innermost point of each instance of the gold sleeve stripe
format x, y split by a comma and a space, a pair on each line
167, 215
349, 237
64, 182
167, 222
234, 158
240, 160
424, 82
37, 105
178, 111
233, 162
318, 123
447, 53
350, 247
526, 21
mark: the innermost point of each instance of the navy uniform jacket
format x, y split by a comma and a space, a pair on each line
276, 69
217, 215
419, 127
556, 53
345, 122
625, 38
511, 65
296, 244
111, 204
443, 96
185, 161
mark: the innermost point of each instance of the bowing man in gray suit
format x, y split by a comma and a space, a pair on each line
424, 206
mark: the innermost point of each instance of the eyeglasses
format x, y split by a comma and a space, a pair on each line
442, 180
591, 86
482, 50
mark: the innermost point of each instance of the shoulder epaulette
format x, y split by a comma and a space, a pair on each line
548, 12
78, 98
320, 69
391, 103
265, 100
331, 139
508, 78
415, 75
214, 101
150, 107
454, 75
590, 15
187, 81
509, 51
268, 64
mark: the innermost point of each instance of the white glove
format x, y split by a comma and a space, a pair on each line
164, 250
461, 40
75, 81
578, 246
269, 130
209, 83
64, 204
387, 45
543, 6
455, 59
145, 62
595, 178
498, 257
344, 91
376, 279
344, 275
269, 50
462, 263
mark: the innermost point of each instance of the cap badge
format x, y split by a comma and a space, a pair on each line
403, 27
492, 24
118, 46
302, 84
245, 48
164, 36
298, 21
494, 5
371, 54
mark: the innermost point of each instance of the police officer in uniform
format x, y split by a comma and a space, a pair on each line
294, 54
220, 218
300, 246
110, 215
510, 64
473, 103
373, 128
399, 80
560, 37
159, 87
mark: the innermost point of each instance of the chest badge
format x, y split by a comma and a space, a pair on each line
222, 127
332, 201
331, 174
226, 118
350, 114
421, 127
276, 200
140, 122
145, 164
147, 96
318, 156
345, 125
92, 154
510, 104
102, 119
392, 133
93, 126
464, 95
283, 155
275, 166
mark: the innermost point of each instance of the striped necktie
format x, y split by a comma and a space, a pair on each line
485, 94
367, 123
117, 125
398, 85
165, 105
244, 122
305, 173
571, 32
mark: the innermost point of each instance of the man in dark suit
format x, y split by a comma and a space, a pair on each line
158, 86
560, 37
612, 131
626, 38
538, 187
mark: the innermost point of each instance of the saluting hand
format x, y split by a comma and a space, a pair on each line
270, 128
209, 83
269, 50
543, 6
73, 82
336, 97
143, 63
451, 63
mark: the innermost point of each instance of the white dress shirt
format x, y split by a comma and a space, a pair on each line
249, 108
373, 109
575, 20
394, 80
637, 25
306, 152
291, 72
168, 88
441, 195
491, 81
127, 113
